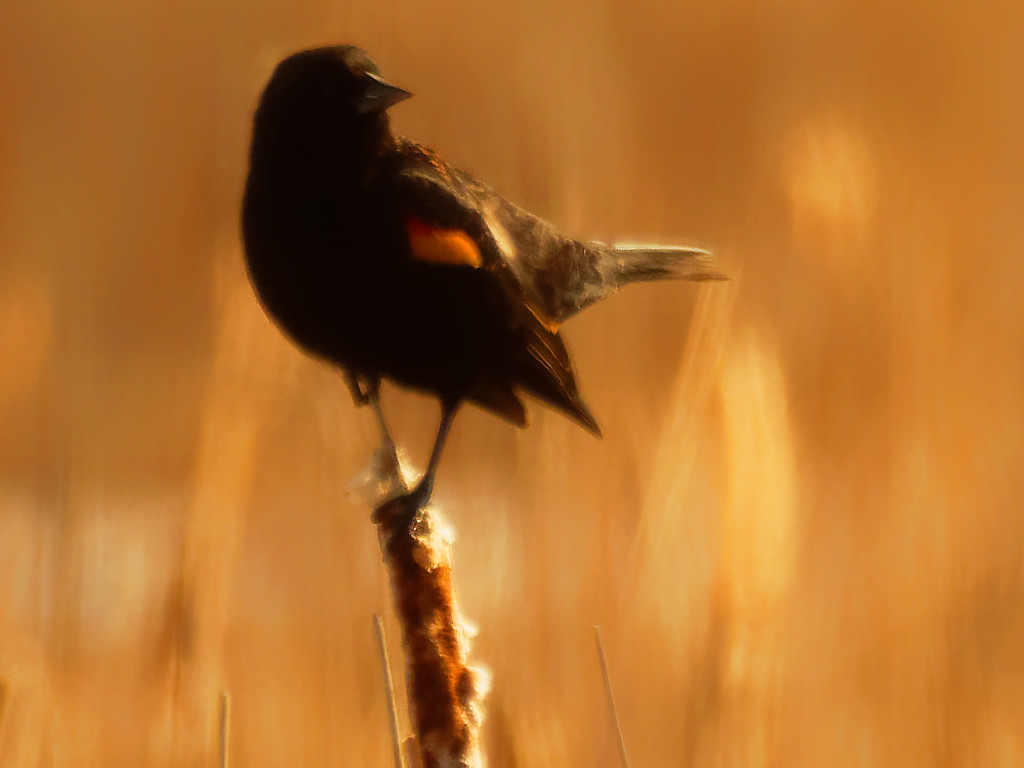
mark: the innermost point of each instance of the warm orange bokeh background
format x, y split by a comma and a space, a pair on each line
802, 533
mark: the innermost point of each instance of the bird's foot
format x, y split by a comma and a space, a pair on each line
415, 500
419, 496
400, 512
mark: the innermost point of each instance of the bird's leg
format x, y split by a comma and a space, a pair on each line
386, 466
420, 495
373, 398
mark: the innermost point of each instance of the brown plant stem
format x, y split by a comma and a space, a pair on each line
389, 689
613, 711
444, 692
225, 729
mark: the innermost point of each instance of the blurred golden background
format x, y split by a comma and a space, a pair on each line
802, 534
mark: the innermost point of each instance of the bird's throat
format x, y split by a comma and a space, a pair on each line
305, 157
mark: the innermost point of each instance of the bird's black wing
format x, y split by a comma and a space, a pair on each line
453, 220
557, 275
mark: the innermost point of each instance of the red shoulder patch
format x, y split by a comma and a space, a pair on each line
436, 245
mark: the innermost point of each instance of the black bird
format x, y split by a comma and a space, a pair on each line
373, 253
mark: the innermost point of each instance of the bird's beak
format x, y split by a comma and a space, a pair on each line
379, 95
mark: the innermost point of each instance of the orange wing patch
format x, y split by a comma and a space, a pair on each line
435, 245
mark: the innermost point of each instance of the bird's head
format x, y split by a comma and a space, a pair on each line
329, 94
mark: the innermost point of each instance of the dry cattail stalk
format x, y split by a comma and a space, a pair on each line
445, 693
389, 689
613, 711
225, 728
3, 707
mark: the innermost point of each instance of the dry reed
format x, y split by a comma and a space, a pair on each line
225, 729
445, 693
613, 711
389, 689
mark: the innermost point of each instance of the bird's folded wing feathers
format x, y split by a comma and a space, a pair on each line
556, 275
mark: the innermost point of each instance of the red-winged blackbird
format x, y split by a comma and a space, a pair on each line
372, 252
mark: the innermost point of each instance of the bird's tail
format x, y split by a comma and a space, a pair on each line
638, 263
